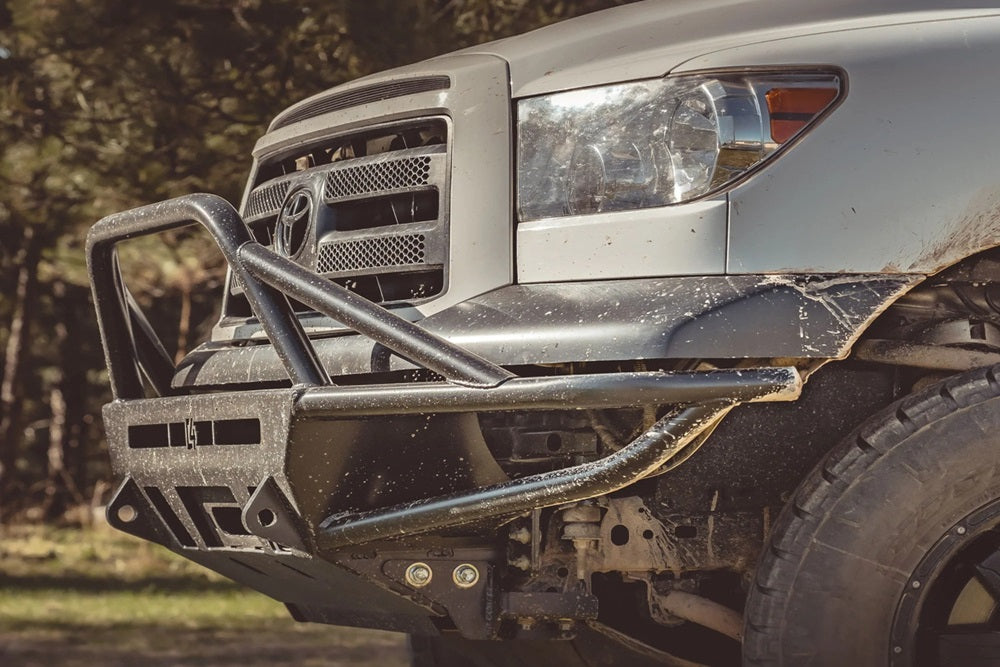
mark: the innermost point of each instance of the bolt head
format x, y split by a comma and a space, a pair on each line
127, 514
960, 530
465, 575
418, 575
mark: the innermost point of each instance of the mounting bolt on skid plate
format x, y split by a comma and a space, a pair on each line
465, 575
418, 575
127, 514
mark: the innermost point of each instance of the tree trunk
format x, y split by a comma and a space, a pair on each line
11, 408
76, 390
55, 455
60, 488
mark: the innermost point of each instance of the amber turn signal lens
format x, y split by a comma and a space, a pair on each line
791, 109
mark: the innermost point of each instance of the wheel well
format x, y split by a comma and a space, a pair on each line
716, 509
753, 461
947, 324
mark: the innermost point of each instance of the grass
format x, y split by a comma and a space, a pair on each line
72, 597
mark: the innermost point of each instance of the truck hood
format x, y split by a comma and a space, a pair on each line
652, 38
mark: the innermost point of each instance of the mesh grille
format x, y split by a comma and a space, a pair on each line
377, 177
266, 199
377, 252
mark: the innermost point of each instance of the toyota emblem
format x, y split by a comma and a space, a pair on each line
293, 222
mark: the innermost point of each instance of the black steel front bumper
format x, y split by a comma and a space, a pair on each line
304, 493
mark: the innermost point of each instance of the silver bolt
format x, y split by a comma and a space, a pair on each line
960, 530
897, 649
465, 576
419, 575
915, 584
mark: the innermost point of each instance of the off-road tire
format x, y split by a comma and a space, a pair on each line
845, 547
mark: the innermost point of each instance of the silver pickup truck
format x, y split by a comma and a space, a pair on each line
665, 335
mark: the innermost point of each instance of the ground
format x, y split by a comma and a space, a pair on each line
83, 597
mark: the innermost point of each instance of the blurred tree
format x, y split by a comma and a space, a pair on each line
38, 192
388, 33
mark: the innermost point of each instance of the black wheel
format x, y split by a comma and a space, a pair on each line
889, 552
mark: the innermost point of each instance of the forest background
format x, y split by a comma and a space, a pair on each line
110, 104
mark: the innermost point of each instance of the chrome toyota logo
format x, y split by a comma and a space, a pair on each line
293, 222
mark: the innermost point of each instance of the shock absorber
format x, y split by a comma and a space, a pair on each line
582, 526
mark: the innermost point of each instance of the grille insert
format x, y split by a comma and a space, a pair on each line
378, 177
266, 200
372, 253
379, 226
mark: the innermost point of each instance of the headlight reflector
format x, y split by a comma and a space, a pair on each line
657, 142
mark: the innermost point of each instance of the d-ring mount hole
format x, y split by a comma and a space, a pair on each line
267, 518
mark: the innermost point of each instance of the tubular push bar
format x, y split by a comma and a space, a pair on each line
133, 351
264, 275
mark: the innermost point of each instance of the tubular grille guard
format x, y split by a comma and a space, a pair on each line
371, 253
265, 275
471, 383
378, 176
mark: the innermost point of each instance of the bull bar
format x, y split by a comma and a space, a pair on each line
470, 383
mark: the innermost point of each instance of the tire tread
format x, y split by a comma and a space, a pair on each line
796, 526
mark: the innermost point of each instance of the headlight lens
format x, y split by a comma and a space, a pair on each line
657, 142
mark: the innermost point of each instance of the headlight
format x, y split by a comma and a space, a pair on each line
657, 142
